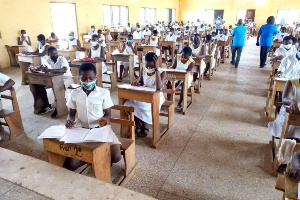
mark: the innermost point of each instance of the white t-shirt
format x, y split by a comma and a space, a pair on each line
145, 32
60, 63
281, 51
90, 108
92, 32
171, 38
290, 67
222, 37
280, 36
3, 79
138, 35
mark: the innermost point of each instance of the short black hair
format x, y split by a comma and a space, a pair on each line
171, 29
22, 31
99, 31
92, 26
51, 48
187, 50
283, 28
95, 36
86, 67
288, 37
271, 20
129, 35
208, 37
196, 35
214, 32
294, 39
150, 57
52, 33
41, 37
155, 31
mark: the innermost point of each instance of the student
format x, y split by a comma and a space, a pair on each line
291, 98
138, 34
186, 31
201, 28
183, 62
97, 51
92, 104
171, 37
74, 45
128, 28
92, 31
54, 64
151, 76
290, 66
119, 28
279, 37
25, 40
52, 38
42, 48
284, 50
154, 40
101, 38
130, 48
198, 51
213, 36
221, 36
230, 31
6, 83
210, 49
147, 31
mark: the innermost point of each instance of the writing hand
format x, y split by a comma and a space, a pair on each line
102, 122
70, 124
135, 83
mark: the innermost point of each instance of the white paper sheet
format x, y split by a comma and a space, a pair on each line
140, 88
53, 132
99, 135
175, 70
74, 135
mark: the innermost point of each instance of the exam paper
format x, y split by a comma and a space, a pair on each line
53, 132
140, 88
101, 134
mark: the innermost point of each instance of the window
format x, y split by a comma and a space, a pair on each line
63, 19
241, 14
289, 16
211, 15
148, 15
170, 15
115, 15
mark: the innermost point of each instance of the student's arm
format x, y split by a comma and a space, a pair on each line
190, 67
123, 48
78, 45
89, 54
107, 115
140, 82
43, 53
175, 63
287, 98
19, 41
258, 36
71, 118
29, 41
7, 86
159, 77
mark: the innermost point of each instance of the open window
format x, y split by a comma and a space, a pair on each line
148, 15
113, 16
244, 14
211, 15
288, 16
63, 19
170, 15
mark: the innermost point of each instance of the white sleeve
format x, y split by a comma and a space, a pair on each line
283, 64
107, 103
71, 103
277, 52
65, 63
3, 79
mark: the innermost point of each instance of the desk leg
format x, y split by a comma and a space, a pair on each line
173, 51
185, 89
113, 77
99, 74
124, 128
210, 68
155, 121
58, 88
38, 103
131, 69
102, 162
55, 159
199, 77
24, 67
12, 57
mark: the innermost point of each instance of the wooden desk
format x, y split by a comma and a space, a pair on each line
144, 96
53, 80
53, 43
291, 186
181, 75
208, 58
198, 63
12, 51
145, 48
111, 46
167, 43
96, 153
25, 61
223, 44
125, 58
67, 53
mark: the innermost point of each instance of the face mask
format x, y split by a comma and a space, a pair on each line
186, 31
170, 33
54, 58
93, 43
213, 38
149, 71
196, 42
183, 59
288, 46
92, 29
129, 41
25, 35
178, 32
71, 37
138, 29
39, 43
147, 29
298, 54
88, 85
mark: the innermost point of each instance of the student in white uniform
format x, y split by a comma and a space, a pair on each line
279, 37
186, 31
92, 31
287, 48
138, 34
52, 38
25, 40
42, 48
198, 51
171, 37
101, 38
74, 45
291, 98
154, 40
128, 28
221, 37
150, 76
130, 48
183, 61
92, 104
290, 66
210, 49
97, 51
6, 83
147, 31
54, 64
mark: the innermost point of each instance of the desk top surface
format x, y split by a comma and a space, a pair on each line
23, 55
44, 74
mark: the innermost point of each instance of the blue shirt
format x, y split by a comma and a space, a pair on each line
267, 32
239, 36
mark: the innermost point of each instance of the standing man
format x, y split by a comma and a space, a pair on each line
238, 42
266, 34
218, 23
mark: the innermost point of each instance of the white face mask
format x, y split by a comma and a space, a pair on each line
93, 43
149, 71
288, 46
39, 43
25, 35
92, 29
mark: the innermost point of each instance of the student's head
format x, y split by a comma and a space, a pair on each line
23, 32
208, 38
53, 34
221, 31
287, 42
187, 28
230, 26
138, 28
150, 63
99, 32
155, 32
240, 22
294, 39
283, 29
71, 35
202, 25
92, 28
128, 24
129, 38
94, 41
147, 27
186, 54
271, 20
41, 39
213, 34
52, 52
171, 31
225, 31
198, 20
197, 39
88, 76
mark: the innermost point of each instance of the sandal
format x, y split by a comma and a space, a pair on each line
178, 108
142, 132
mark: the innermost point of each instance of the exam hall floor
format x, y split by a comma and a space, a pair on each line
217, 150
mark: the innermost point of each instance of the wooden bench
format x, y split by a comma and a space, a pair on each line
97, 153
12, 117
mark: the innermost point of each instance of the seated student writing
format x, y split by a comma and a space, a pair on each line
130, 48
291, 98
74, 45
6, 83
54, 64
279, 37
287, 48
210, 49
171, 37
183, 62
138, 34
198, 51
97, 51
52, 38
150, 76
290, 66
42, 48
154, 40
25, 40
101, 38
147, 31
221, 37
92, 103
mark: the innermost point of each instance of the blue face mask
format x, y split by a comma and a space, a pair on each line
170, 33
298, 54
88, 85
129, 41
71, 37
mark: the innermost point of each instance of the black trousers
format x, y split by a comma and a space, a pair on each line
263, 55
236, 59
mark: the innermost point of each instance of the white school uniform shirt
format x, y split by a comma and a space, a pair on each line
3, 80
92, 32
280, 36
281, 51
138, 35
41, 48
186, 32
97, 54
145, 32
128, 29
290, 67
171, 38
27, 47
221, 37
60, 63
90, 108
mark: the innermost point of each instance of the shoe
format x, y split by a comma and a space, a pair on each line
236, 66
54, 114
178, 108
46, 109
232, 63
170, 61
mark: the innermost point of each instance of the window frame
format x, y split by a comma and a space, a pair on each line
155, 20
111, 17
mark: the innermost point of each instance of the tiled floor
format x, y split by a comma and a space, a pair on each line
217, 150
